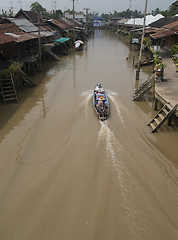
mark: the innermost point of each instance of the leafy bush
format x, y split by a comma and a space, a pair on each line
160, 66
147, 41
174, 49
157, 59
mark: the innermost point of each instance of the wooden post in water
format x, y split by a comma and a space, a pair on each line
156, 104
133, 60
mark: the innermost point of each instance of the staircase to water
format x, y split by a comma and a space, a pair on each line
8, 89
164, 114
144, 88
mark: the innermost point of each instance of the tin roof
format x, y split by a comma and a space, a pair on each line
175, 4
75, 23
66, 22
29, 27
10, 32
32, 16
9, 27
18, 37
162, 33
139, 21
5, 39
173, 25
24, 24
163, 21
167, 30
58, 24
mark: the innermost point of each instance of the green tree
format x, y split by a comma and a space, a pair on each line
37, 7
58, 13
170, 12
155, 12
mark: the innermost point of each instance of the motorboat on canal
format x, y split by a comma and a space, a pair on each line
101, 102
78, 45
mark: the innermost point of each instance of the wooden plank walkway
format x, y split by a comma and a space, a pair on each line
167, 91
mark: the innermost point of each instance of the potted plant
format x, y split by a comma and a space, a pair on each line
176, 67
159, 70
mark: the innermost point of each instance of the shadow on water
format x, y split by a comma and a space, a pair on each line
13, 113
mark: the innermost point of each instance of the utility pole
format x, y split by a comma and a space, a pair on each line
73, 10
141, 47
86, 9
73, 18
39, 39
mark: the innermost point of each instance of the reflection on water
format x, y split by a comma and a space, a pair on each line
66, 175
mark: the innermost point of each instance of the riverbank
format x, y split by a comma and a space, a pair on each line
166, 91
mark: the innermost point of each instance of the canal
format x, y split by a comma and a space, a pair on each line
66, 175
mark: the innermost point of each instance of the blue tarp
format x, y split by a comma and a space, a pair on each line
62, 40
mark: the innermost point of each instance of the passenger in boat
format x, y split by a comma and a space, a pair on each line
100, 103
99, 88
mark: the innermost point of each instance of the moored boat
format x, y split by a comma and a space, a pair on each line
78, 45
101, 102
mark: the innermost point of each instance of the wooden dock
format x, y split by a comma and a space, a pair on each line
166, 91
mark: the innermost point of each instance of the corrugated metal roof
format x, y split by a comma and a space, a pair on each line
74, 22
32, 16
25, 37
162, 33
139, 21
44, 34
173, 25
149, 30
163, 21
10, 32
66, 22
24, 24
58, 24
46, 27
29, 27
5, 39
9, 37
9, 27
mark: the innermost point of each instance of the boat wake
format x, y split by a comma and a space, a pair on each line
112, 143
120, 160
115, 103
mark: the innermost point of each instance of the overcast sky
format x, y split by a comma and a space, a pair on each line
99, 6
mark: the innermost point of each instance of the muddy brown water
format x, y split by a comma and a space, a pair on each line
65, 175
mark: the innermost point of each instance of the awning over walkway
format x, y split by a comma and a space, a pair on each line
61, 40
